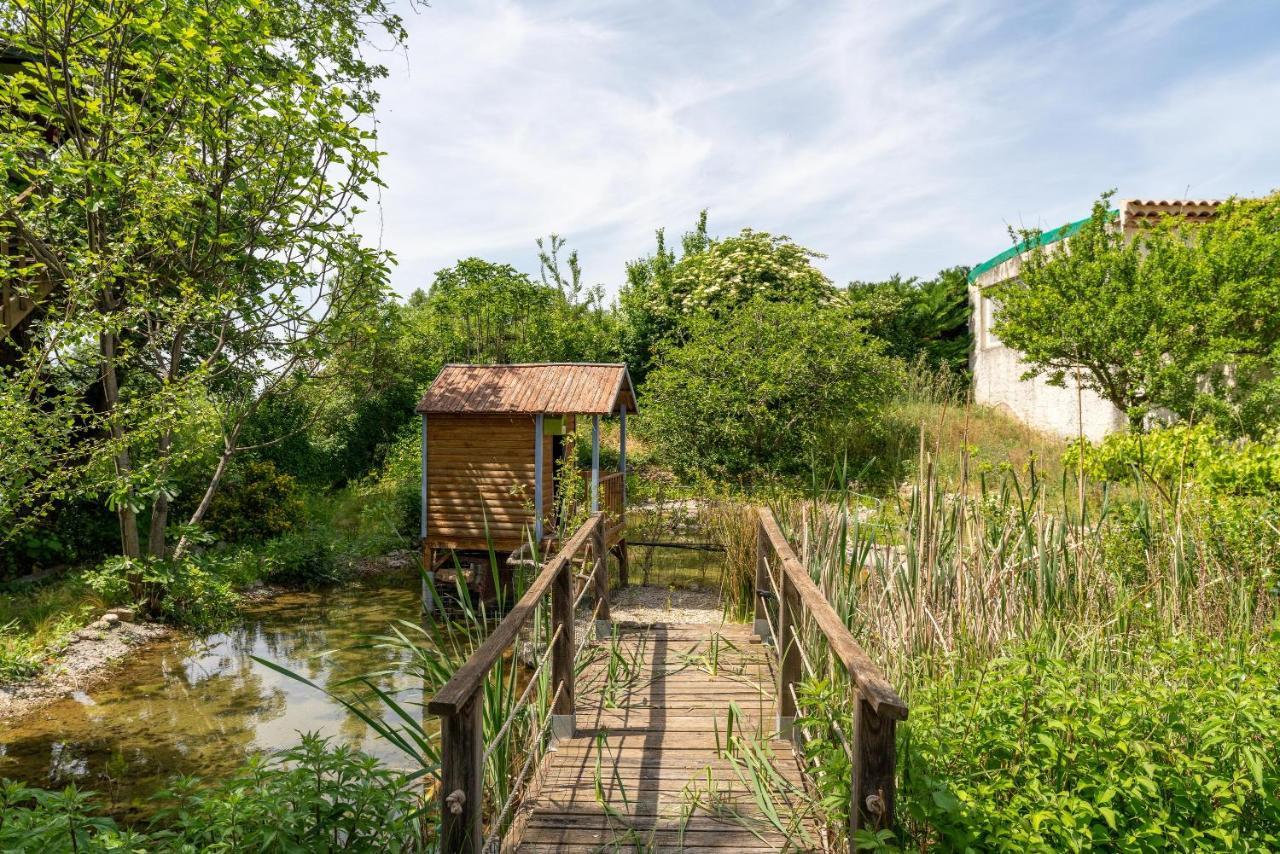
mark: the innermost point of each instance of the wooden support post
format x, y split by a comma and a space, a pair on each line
562, 715
428, 568
461, 776
595, 463
761, 626
621, 551
788, 646
622, 453
600, 555
537, 480
874, 767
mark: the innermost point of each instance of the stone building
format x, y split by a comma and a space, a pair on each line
997, 369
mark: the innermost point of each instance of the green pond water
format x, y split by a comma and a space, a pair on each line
201, 705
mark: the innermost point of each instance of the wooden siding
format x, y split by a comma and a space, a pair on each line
482, 466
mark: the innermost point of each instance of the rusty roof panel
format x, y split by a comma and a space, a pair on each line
571, 388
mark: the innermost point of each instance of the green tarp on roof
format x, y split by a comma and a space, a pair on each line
1045, 238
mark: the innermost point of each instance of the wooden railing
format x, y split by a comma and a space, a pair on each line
612, 502
459, 702
877, 706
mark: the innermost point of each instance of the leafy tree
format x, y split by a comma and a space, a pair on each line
194, 210
474, 311
715, 276
928, 320
1177, 317
765, 388
641, 299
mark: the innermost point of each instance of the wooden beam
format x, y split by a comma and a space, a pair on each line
604, 625
428, 575
467, 678
595, 463
761, 625
537, 478
461, 778
874, 770
622, 452
562, 665
789, 663
869, 679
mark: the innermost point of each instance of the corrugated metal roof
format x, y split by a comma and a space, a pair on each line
550, 388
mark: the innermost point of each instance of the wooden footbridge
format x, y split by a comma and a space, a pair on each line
663, 737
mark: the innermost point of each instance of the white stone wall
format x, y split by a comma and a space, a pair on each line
997, 377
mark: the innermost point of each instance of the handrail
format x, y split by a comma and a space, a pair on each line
878, 707
457, 702
869, 678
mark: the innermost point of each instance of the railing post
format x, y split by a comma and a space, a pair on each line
788, 641
761, 627
604, 625
562, 714
874, 765
461, 776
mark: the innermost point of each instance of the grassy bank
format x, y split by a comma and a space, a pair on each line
327, 540
1089, 664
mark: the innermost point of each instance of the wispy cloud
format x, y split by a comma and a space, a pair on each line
893, 137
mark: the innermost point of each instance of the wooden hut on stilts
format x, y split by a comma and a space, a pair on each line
495, 463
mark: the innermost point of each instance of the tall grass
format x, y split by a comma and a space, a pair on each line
947, 577
941, 577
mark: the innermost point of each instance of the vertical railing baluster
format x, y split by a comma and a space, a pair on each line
789, 663
461, 778
604, 624
761, 627
562, 715
874, 770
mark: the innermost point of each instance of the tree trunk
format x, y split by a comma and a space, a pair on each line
228, 450
130, 544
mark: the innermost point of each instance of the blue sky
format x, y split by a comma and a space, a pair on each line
890, 136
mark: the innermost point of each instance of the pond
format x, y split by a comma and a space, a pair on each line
201, 705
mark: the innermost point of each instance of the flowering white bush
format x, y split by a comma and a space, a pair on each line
733, 271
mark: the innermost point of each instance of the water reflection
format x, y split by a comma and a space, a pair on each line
201, 705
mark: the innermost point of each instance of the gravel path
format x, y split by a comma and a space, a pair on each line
662, 605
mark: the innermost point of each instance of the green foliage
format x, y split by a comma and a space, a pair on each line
71, 532
643, 320
735, 270
255, 502
662, 293
1177, 316
313, 797
926, 322
192, 590
305, 557
1184, 454
20, 656
194, 212
1036, 752
764, 389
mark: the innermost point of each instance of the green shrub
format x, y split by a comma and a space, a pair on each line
19, 655
313, 797
307, 557
1198, 453
764, 390
255, 502
1036, 752
190, 591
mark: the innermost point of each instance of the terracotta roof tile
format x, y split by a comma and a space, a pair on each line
1152, 208
570, 388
